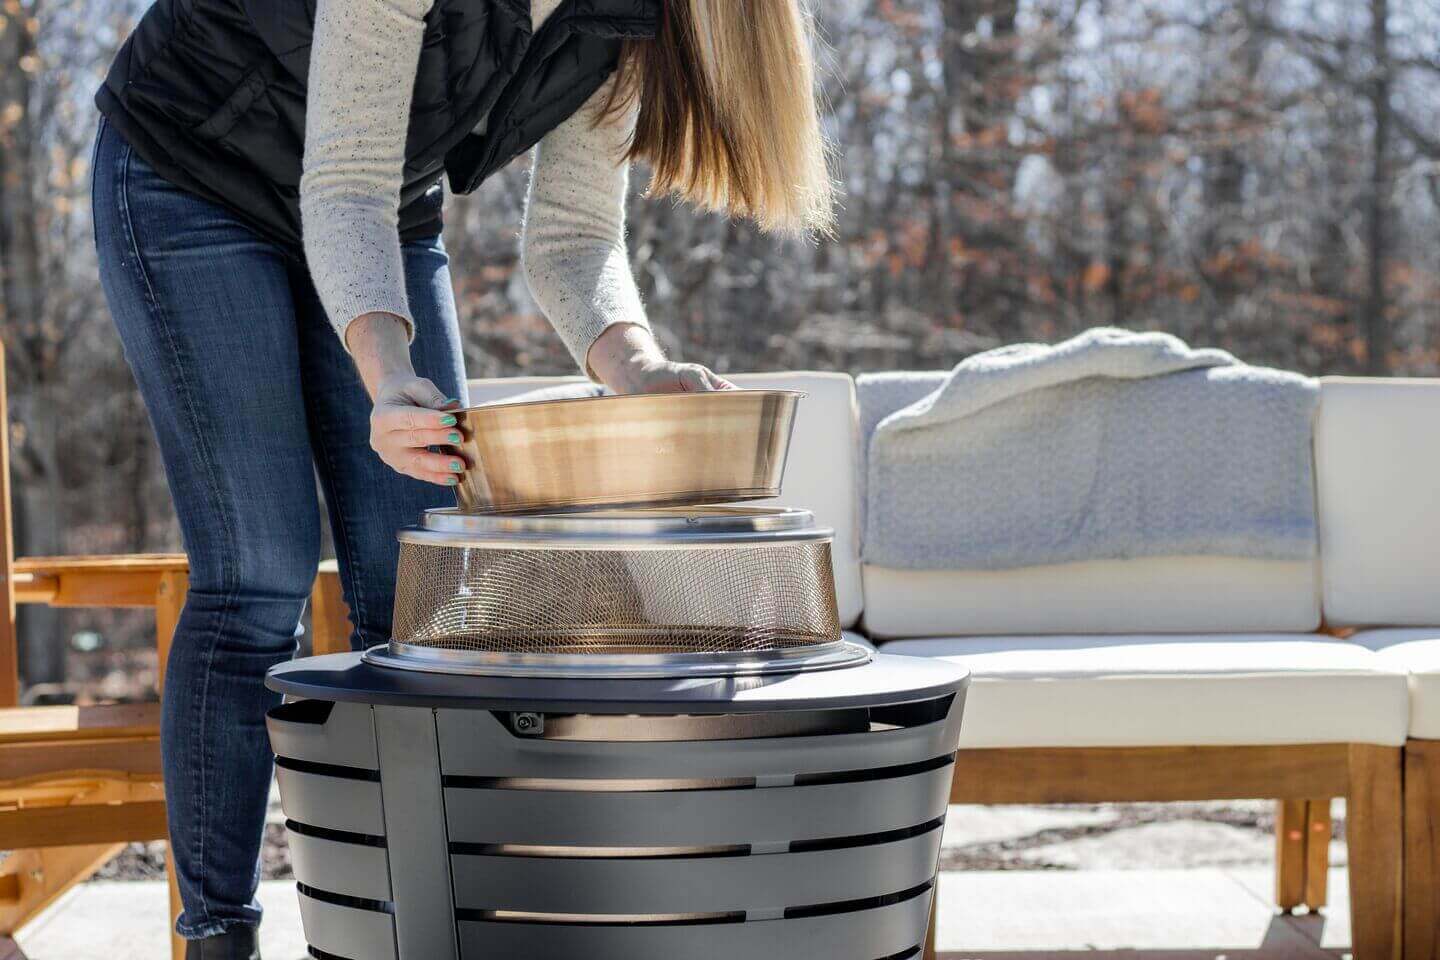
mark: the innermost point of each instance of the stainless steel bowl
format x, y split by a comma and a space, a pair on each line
638, 450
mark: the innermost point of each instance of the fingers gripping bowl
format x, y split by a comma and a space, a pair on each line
638, 450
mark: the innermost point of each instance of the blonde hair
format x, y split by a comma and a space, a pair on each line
728, 118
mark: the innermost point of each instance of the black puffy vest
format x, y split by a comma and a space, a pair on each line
212, 94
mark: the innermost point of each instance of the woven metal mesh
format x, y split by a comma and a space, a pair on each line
743, 600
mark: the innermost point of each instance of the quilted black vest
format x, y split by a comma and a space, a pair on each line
212, 94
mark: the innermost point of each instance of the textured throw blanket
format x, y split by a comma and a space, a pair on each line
1110, 445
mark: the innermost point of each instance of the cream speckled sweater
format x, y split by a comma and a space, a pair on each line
362, 74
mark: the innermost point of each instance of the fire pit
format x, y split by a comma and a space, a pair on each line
677, 756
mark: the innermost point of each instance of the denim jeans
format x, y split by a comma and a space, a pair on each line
251, 395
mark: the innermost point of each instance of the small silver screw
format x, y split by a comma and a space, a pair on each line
528, 724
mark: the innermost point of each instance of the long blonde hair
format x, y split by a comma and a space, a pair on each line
728, 118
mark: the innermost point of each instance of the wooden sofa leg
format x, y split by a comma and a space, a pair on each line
1374, 836
1290, 835
1422, 850
169, 603
329, 616
1318, 831
929, 952
1302, 853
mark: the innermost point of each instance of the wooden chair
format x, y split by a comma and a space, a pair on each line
78, 783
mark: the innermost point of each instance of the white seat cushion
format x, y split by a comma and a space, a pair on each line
1377, 463
821, 472
1416, 651
1156, 595
1197, 690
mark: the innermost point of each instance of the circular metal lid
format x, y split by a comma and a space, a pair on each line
659, 527
882, 680
825, 656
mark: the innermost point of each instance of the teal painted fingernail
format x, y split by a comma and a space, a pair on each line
448, 420
456, 466
453, 438
451, 481
450, 400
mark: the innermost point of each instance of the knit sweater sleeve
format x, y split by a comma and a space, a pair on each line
363, 60
362, 76
573, 241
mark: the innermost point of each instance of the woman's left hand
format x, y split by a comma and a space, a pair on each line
627, 359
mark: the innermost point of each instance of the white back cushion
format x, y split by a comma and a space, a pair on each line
820, 474
1149, 595
1153, 595
1377, 452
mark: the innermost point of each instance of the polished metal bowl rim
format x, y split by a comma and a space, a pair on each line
659, 528
615, 397
821, 656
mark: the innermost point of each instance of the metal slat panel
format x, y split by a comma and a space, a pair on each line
353, 869
474, 743
347, 931
680, 885
323, 732
862, 935
334, 803
695, 817
415, 833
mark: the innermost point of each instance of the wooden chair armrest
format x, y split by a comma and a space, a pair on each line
124, 580
101, 721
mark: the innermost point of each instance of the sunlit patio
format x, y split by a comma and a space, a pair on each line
1140, 881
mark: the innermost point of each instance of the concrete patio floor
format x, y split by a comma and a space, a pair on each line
1173, 882
1014, 914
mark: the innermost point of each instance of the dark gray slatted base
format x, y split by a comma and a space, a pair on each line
859, 935
457, 838
735, 883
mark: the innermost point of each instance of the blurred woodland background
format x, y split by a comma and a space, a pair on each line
1261, 175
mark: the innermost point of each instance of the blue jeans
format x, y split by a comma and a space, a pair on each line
251, 395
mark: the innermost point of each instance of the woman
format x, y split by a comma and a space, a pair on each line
267, 205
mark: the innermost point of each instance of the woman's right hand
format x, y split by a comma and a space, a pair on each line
627, 359
411, 415
410, 412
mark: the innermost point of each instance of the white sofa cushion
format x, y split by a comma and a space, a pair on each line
1156, 595
820, 474
1199, 690
1416, 651
1377, 452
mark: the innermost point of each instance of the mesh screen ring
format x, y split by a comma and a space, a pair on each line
741, 600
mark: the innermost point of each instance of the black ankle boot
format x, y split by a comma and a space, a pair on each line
237, 943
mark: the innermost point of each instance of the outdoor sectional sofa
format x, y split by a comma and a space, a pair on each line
1193, 678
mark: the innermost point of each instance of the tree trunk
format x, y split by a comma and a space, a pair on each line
20, 260
982, 84
37, 504
1378, 335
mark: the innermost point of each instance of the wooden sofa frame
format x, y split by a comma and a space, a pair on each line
1302, 778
